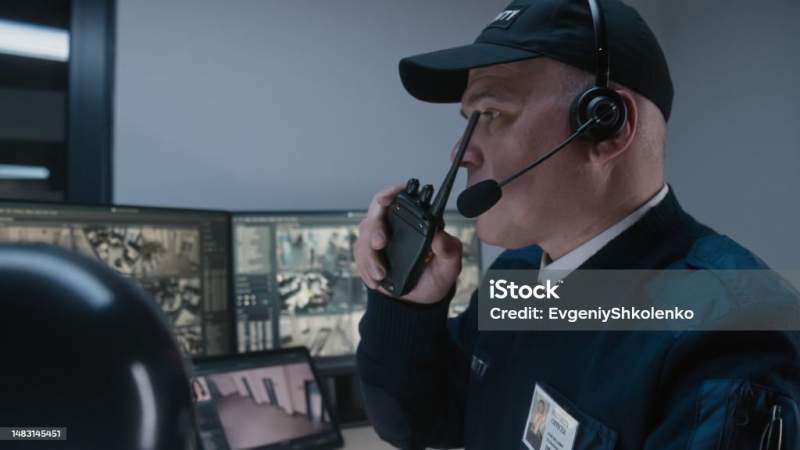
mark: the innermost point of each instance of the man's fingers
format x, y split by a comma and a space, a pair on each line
377, 272
446, 246
369, 261
372, 232
382, 200
373, 272
361, 255
373, 238
378, 240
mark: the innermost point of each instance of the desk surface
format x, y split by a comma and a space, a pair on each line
363, 438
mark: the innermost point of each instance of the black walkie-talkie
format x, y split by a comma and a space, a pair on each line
412, 221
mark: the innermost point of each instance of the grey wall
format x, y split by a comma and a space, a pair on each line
734, 139
275, 104
279, 104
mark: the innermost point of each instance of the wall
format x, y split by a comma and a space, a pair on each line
734, 143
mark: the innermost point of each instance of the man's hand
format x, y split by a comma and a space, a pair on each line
439, 274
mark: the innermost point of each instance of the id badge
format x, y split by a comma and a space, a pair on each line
549, 426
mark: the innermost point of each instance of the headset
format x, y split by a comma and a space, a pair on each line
596, 101
597, 114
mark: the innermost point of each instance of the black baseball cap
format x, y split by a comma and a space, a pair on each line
559, 29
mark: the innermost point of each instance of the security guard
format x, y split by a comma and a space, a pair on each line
601, 203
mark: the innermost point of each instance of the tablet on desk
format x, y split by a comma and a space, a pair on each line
262, 400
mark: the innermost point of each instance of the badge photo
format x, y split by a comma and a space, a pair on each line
549, 426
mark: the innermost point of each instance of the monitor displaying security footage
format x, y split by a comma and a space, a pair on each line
265, 400
296, 282
179, 256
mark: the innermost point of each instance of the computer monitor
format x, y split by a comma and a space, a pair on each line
296, 283
180, 256
263, 400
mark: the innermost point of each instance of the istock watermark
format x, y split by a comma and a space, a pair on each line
501, 289
656, 300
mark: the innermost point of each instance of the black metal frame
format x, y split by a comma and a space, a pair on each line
90, 102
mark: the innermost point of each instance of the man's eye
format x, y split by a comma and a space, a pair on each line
491, 114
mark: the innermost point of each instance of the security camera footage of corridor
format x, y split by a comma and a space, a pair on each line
313, 284
260, 407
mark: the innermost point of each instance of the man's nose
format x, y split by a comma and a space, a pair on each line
472, 155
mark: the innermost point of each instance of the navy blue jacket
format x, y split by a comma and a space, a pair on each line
629, 390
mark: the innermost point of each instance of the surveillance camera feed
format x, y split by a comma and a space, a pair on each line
271, 401
179, 256
296, 283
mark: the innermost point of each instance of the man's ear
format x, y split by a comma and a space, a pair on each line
611, 148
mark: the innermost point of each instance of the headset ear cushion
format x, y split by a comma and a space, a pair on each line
592, 102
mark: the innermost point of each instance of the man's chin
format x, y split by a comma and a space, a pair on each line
495, 228
491, 229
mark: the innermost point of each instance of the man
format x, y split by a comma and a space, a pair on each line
429, 382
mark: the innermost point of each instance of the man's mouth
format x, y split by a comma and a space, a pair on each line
473, 179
